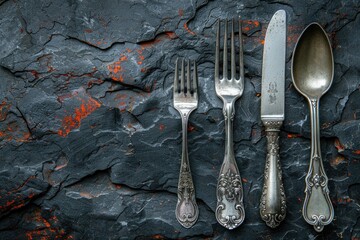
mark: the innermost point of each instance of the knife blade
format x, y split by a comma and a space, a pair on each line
273, 201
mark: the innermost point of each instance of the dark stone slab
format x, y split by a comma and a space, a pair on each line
90, 142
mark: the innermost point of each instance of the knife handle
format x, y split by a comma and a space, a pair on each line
273, 201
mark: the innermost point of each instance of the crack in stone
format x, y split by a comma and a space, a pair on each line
25, 120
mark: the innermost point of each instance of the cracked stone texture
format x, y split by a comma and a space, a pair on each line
90, 143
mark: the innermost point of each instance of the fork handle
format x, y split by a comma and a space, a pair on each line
187, 211
230, 211
273, 201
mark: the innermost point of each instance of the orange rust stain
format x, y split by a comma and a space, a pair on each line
121, 96
162, 127
35, 74
188, 29
66, 96
73, 121
141, 58
344, 200
244, 180
123, 58
190, 128
250, 24
356, 151
4, 109
151, 43
258, 94
46, 230
339, 146
293, 135
92, 82
116, 69
122, 103
158, 236
246, 29
292, 38
11, 133
336, 161
88, 30
171, 35
22, 185
148, 44
18, 206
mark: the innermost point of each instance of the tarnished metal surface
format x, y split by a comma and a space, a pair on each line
313, 72
90, 141
273, 200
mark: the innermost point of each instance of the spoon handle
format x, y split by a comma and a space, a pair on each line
273, 201
317, 210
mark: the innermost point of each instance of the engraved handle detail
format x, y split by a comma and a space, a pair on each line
230, 211
317, 210
273, 201
187, 211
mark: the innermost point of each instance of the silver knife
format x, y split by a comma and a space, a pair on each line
273, 201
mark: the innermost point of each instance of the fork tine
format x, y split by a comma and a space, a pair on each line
188, 77
182, 81
217, 52
176, 77
233, 69
225, 51
241, 57
195, 79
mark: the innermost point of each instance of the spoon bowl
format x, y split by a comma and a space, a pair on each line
313, 65
312, 71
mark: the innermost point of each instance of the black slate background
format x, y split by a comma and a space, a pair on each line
90, 142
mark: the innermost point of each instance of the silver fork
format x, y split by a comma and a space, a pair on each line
185, 101
230, 211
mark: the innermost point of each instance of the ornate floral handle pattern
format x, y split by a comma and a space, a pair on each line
187, 211
317, 210
273, 200
230, 211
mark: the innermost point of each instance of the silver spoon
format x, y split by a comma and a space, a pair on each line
312, 72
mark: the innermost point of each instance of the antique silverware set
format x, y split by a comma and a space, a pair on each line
312, 72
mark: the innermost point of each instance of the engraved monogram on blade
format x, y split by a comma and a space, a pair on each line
272, 92
273, 201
